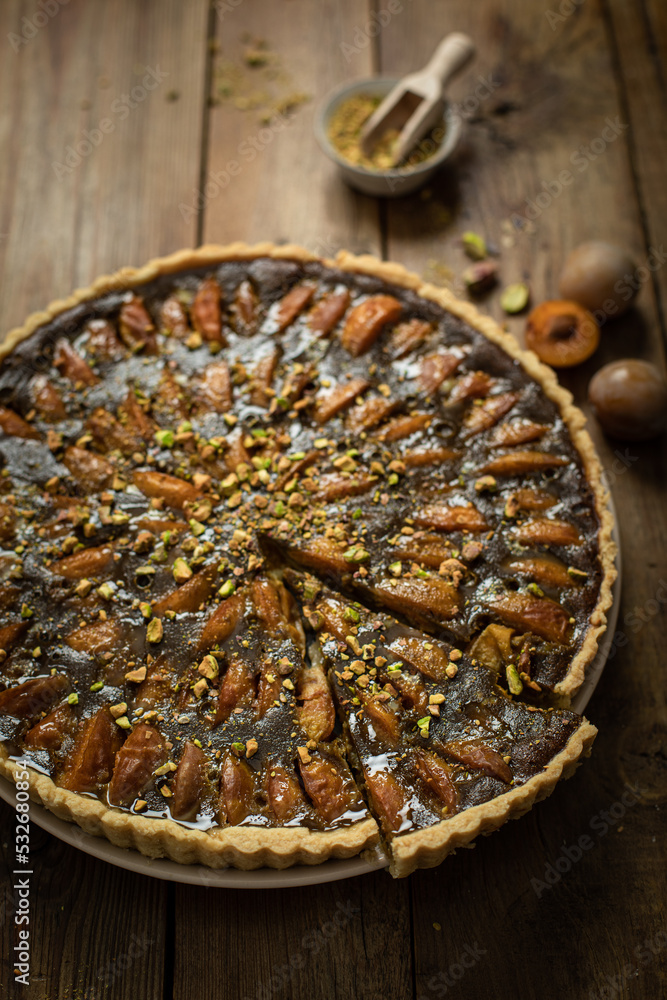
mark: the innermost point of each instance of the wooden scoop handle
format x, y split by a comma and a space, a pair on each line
452, 54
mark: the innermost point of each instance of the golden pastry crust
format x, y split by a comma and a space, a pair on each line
252, 847
427, 848
244, 847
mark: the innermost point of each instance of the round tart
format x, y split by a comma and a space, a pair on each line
297, 555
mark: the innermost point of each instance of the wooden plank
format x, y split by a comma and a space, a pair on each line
78, 201
346, 939
60, 226
554, 96
639, 38
272, 182
95, 930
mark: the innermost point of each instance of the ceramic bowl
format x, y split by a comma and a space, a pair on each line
383, 183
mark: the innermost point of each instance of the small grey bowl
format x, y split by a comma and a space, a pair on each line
383, 183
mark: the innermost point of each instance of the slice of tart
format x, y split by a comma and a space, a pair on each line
239, 747
443, 753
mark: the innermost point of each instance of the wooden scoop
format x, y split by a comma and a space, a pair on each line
417, 102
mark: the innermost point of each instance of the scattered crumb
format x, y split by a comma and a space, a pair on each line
437, 926
258, 83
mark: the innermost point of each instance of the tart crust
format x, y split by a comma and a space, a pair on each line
248, 847
244, 847
427, 848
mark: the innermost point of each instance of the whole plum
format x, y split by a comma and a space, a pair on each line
600, 276
629, 398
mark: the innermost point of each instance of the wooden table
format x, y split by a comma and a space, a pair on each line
576, 87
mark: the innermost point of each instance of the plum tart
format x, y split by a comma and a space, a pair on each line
298, 557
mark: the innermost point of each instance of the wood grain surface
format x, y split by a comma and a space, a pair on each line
528, 912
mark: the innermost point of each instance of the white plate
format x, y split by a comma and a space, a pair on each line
270, 878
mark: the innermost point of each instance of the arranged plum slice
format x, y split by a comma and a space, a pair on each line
206, 311
365, 322
136, 326
91, 763
139, 757
189, 783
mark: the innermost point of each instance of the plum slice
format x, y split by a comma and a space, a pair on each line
365, 322
236, 690
141, 754
16, 426
92, 471
174, 491
478, 756
91, 763
136, 326
436, 774
206, 311
407, 337
441, 517
237, 791
326, 313
540, 615
189, 783
71, 365
33, 697
429, 598
340, 398
329, 785
95, 561
545, 531
224, 621
286, 799
315, 713
389, 799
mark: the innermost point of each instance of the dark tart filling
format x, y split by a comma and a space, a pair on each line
168, 450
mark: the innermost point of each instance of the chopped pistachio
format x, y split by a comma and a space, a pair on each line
26, 612
145, 609
534, 589
200, 687
251, 747
227, 588
83, 588
181, 570
136, 676
238, 748
165, 438
209, 667
577, 575
514, 682
514, 298
350, 615
106, 591
73, 698
123, 722
196, 527
474, 245
97, 686
154, 630
424, 726
486, 484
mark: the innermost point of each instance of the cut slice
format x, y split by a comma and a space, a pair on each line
443, 752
